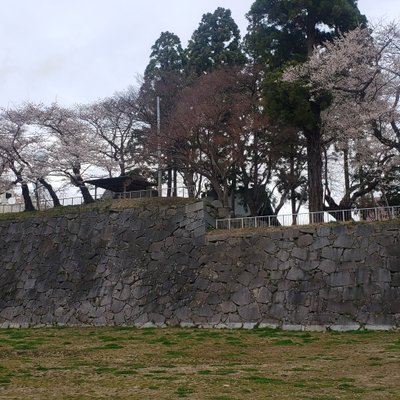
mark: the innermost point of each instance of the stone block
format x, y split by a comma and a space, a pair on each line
268, 325
379, 327
284, 266
213, 298
308, 266
276, 275
351, 326
340, 279
331, 253
277, 312
381, 275
394, 264
354, 255
380, 320
314, 328
363, 276
328, 266
388, 242
323, 231
264, 295
242, 297
319, 243
304, 240
374, 261
295, 299
249, 313
245, 278
293, 327
373, 247
276, 234
282, 255
344, 241
352, 293
394, 278
139, 292
370, 289
283, 285
258, 281
279, 298
29, 284
364, 230
228, 307
301, 254
295, 274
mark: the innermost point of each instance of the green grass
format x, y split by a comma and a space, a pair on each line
129, 363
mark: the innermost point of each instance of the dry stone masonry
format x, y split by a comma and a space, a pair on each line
157, 266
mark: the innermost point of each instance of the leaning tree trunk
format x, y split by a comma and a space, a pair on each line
87, 197
52, 193
27, 198
314, 162
78, 181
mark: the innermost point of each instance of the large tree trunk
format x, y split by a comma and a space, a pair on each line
314, 161
188, 180
87, 197
27, 198
169, 177
78, 181
346, 169
52, 193
293, 192
175, 182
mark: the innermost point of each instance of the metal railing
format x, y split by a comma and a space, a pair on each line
11, 208
183, 191
356, 214
41, 205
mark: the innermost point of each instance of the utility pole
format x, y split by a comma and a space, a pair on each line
159, 148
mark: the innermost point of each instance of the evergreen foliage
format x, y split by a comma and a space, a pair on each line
216, 42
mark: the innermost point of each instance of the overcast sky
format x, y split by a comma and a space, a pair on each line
76, 51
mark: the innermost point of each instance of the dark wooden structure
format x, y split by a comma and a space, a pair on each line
121, 185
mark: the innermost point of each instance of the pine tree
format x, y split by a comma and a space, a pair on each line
167, 55
216, 42
283, 31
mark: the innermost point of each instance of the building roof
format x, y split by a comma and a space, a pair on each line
121, 183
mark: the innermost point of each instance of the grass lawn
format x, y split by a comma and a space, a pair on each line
128, 363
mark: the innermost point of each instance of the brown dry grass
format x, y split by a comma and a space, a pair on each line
127, 363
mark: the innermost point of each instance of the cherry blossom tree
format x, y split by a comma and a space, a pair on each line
17, 148
360, 71
70, 150
117, 131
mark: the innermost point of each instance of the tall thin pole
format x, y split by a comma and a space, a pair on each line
159, 148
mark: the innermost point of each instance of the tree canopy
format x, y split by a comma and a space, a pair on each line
216, 42
304, 109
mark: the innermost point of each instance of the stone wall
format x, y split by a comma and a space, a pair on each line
157, 266
331, 276
103, 268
